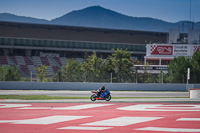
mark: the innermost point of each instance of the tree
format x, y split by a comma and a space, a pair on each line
2, 73
71, 72
41, 73
9, 73
92, 67
177, 70
147, 77
121, 63
195, 68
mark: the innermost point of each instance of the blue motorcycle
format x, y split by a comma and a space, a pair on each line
106, 95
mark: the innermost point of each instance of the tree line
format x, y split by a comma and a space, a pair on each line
177, 69
116, 68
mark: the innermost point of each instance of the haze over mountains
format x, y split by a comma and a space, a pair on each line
100, 17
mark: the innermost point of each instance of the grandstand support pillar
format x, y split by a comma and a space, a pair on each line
65, 54
160, 61
28, 53
145, 61
6, 52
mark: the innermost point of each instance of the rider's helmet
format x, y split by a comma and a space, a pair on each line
103, 88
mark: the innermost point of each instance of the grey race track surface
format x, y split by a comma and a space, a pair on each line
140, 100
88, 93
172, 97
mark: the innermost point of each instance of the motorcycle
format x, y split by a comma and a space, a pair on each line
103, 96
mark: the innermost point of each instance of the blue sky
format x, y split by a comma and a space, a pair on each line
167, 10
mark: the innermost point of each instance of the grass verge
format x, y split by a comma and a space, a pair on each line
44, 97
38, 97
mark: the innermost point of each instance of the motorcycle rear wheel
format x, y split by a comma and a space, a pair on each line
93, 98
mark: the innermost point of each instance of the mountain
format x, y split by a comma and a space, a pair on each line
14, 18
96, 16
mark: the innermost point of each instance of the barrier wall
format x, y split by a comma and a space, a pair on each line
14, 85
194, 93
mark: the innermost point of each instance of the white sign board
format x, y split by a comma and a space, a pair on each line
171, 49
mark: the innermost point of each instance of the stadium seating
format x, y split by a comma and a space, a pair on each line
28, 60
11, 60
20, 60
63, 60
3, 60
32, 70
26, 65
24, 69
44, 61
57, 59
80, 60
55, 68
37, 61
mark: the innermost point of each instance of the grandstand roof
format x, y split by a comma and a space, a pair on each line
60, 32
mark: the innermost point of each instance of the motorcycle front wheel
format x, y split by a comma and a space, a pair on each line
93, 98
108, 97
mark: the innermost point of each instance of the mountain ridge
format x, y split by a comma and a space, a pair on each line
99, 17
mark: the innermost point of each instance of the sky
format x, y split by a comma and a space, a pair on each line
167, 10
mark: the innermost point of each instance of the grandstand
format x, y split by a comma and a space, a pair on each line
28, 45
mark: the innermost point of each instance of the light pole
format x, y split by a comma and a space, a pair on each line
188, 75
111, 77
136, 75
162, 76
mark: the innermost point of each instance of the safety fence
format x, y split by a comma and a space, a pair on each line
15, 85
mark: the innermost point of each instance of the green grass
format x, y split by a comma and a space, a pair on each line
38, 97
44, 97
144, 97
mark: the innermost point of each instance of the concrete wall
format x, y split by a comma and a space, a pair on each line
12, 85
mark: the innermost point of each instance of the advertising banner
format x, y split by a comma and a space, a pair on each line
42, 54
196, 48
181, 50
171, 49
161, 50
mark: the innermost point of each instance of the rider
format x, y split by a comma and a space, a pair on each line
100, 90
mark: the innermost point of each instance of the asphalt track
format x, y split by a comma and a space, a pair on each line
88, 93
152, 115
143, 96
99, 117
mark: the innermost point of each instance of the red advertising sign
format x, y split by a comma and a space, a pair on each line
161, 50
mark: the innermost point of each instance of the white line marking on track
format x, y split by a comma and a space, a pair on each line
13, 105
7, 121
122, 121
168, 129
188, 119
160, 107
36, 108
85, 128
49, 119
84, 106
